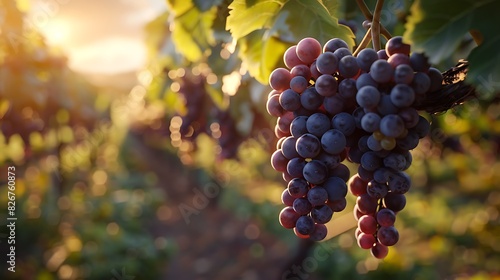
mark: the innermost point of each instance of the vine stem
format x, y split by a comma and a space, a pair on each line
368, 15
376, 25
366, 40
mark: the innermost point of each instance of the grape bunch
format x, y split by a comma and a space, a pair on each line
332, 106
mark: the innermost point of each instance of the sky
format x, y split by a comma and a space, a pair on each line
98, 36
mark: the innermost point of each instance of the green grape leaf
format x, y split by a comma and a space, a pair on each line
267, 28
438, 27
192, 33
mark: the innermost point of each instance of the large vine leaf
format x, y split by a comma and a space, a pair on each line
285, 22
438, 27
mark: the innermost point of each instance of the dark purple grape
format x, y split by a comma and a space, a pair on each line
392, 125
376, 189
386, 217
304, 225
302, 206
347, 89
298, 126
403, 74
419, 62
299, 84
365, 80
381, 71
290, 100
317, 124
373, 144
395, 161
334, 104
368, 97
286, 198
358, 114
295, 167
382, 54
335, 187
422, 128
402, 95
399, 182
409, 116
288, 147
317, 196
381, 175
370, 161
333, 141
436, 79
308, 146
319, 232
370, 122
379, 251
331, 161
395, 202
322, 214
334, 44
341, 52
298, 187
366, 57
310, 99
326, 85
388, 236
421, 83
365, 174
348, 66
341, 171
345, 123
327, 63
315, 172
385, 106
337, 205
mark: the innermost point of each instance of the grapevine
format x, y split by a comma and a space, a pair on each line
334, 106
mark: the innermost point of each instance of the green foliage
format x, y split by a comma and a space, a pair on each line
438, 28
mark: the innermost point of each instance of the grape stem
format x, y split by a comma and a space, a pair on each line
368, 15
376, 25
366, 40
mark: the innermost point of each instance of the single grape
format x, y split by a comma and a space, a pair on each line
368, 97
398, 59
273, 106
365, 174
326, 85
409, 116
290, 57
327, 63
366, 57
341, 52
310, 99
395, 202
422, 128
331, 161
298, 84
347, 89
322, 214
367, 204
317, 124
298, 187
402, 95
333, 141
357, 186
436, 79
308, 49
386, 217
302, 71
308, 146
367, 224
395, 161
392, 125
334, 44
341, 171
335, 187
365, 241
314, 71
280, 79
376, 189
388, 236
381, 71
396, 45
288, 217
381, 175
348, 66
421, 83
334, 104
358, 114
317, 196
290, 100
302, 206
305, 225
295, 167
370, 161
345, 123
399, 183
319, 232
284, 122
419, 62
298, 126
379, 251
373, 144
315, 172
278, 161
365, 80
337, 205
382, 54
288, 147
370, 122
286, 198
403, 74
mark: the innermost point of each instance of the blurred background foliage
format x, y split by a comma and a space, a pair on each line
170, 178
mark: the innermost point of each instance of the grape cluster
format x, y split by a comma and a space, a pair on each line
332, 106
